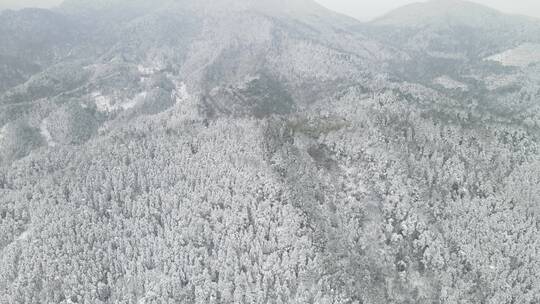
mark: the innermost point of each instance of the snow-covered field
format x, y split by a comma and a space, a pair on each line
520, 56
448, 83
108, 104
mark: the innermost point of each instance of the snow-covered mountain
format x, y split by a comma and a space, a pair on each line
257, 151
205, 45
451, 39
449, 13
458, 29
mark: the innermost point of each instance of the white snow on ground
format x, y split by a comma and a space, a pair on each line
145, 70
132, 103
107, 104
103, 103
46, 134
520, 56
186, 104
181, 93
24, 236
449, 83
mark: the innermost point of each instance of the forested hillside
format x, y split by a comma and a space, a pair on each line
236, 152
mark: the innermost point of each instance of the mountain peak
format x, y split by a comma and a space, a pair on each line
434, 12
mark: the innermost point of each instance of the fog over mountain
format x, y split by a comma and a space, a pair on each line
367, 11
242, 151
357, 9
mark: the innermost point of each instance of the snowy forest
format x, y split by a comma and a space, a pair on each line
242, 151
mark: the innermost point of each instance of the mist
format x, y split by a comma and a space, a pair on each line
368, 10
361, 10
18, 4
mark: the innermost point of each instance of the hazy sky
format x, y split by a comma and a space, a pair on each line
361, 9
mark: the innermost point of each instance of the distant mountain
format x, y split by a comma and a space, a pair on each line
457, 29
448, 13
451, 39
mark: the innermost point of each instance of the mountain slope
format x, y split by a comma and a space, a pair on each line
454, 40
472, 29
448, 12
239, 151
209, 48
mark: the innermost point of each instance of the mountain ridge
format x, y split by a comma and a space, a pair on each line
459, 12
